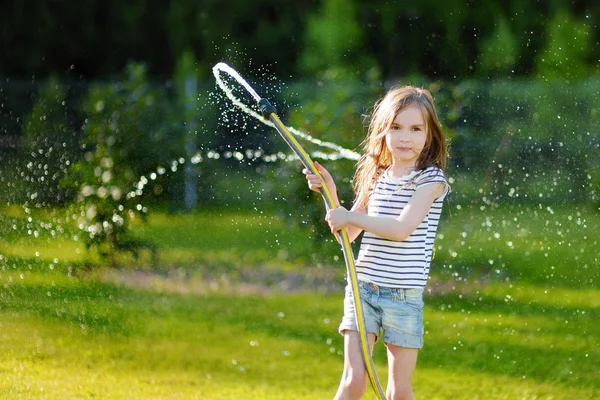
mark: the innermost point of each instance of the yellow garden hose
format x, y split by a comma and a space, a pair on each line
269, 112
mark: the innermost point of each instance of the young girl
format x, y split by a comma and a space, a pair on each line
400, 186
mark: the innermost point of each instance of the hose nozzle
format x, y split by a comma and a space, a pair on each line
266, 107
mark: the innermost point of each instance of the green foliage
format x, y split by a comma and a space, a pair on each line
430, 37
567, 49
127, 139
333, 38
499, 51
49, 143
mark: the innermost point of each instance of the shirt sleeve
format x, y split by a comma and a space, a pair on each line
433, 175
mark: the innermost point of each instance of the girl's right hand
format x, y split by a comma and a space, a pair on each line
315, 182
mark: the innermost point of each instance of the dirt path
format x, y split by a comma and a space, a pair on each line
257, 283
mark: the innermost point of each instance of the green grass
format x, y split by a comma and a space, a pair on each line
554, 246
70, 338
551, 246
511, 329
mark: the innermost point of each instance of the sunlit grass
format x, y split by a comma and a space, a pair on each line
514, 328
248, 238
65, 337
536, 244
539, 244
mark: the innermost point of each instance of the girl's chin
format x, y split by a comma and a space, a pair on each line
405, 157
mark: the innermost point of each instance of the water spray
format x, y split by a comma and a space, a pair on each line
270, 116
222, 67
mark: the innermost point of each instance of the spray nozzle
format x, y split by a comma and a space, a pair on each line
266, 107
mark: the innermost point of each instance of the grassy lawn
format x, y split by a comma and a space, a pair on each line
501, 330
538, 244
534, 244
72, 338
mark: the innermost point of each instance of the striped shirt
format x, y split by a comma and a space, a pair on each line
404, 264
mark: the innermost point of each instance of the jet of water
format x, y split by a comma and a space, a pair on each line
222, 67
234, 74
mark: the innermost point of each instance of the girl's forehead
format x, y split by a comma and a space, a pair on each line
411, 115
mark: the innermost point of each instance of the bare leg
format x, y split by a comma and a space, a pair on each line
354, 378
401, 362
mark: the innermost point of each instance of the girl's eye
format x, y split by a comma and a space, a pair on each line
416, 128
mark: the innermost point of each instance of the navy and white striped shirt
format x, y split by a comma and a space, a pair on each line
405, 264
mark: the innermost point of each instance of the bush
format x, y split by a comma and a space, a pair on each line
49, 145
127, 137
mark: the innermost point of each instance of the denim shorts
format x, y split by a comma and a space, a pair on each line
399, 312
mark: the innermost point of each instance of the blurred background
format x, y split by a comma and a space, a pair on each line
122, 162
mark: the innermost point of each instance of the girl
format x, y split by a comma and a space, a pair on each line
399, 186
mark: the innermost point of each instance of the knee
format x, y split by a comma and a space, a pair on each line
354, 385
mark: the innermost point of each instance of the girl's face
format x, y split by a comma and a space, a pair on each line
406, 137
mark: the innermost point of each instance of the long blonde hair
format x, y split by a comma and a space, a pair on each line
376, 156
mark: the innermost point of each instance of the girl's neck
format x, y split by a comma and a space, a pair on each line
398, 171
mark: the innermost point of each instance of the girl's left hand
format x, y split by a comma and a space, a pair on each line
337, 219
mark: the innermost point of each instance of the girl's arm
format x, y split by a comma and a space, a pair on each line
397, 229
353, 230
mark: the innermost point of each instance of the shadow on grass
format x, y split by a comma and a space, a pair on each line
88, 305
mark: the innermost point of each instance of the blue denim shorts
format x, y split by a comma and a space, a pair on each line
399, 312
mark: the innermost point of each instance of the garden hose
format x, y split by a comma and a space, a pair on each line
269, 112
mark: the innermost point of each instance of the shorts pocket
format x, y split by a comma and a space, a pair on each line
414, 298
